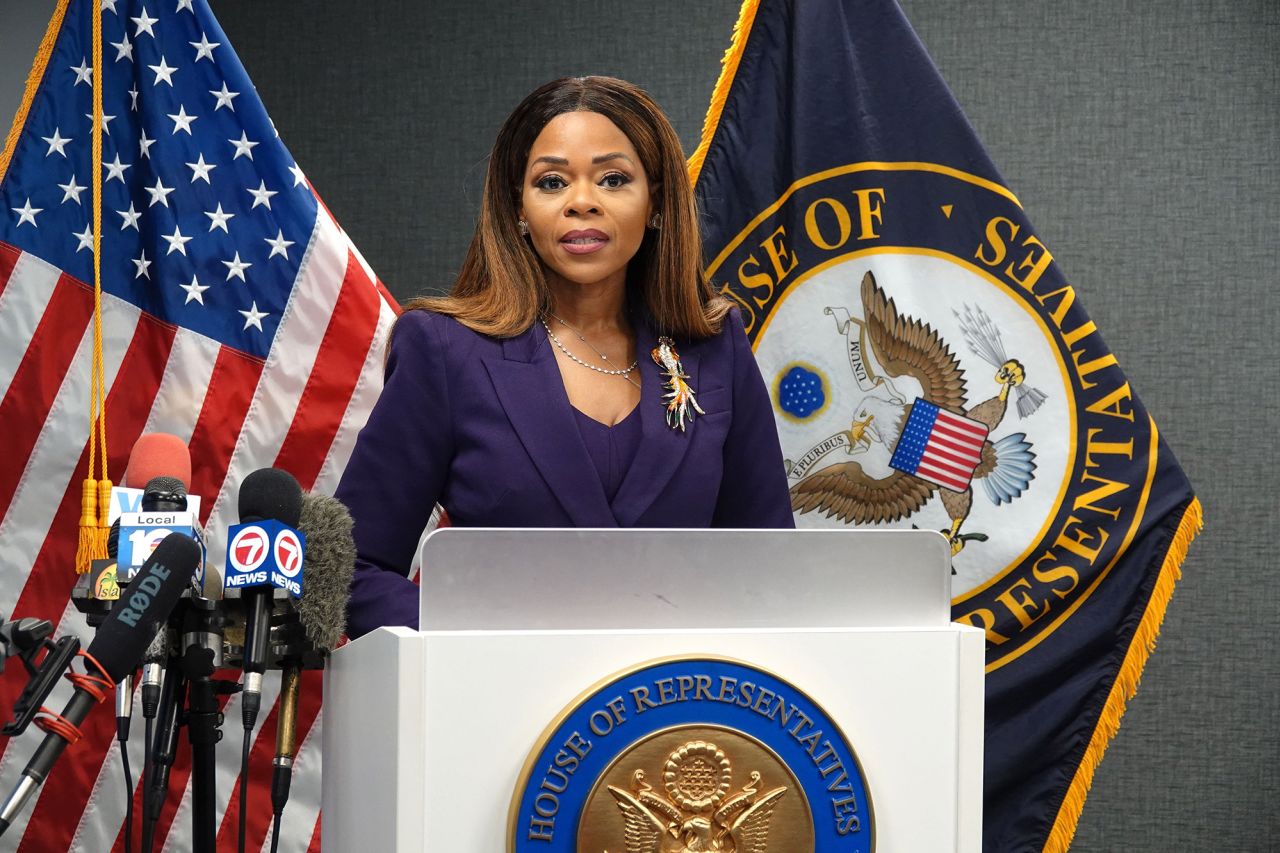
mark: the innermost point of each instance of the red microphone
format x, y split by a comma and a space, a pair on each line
158, 454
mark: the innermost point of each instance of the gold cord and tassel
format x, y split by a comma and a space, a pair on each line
95, 495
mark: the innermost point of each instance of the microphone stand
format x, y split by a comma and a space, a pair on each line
202, 639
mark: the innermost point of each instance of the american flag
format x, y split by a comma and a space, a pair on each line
939, 446
237, 315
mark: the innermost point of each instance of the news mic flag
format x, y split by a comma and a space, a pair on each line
237, 316
905, 314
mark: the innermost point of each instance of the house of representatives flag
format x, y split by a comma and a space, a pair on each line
236, 315
883, 267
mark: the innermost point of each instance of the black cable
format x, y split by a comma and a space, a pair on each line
146, 752
244, 786
122, 735
151, 690
281, 776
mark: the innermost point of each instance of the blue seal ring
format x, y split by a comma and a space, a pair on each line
609, 719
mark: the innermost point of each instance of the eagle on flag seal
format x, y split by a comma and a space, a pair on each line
907, 347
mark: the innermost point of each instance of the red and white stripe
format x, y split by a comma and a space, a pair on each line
300, 409
953, 451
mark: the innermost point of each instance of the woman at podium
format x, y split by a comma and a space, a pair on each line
582, 372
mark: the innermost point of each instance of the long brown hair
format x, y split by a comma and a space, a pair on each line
501, 290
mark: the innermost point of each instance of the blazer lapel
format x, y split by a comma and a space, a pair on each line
662, 448
532, 394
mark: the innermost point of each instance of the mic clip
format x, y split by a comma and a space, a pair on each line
287, 642
43, 677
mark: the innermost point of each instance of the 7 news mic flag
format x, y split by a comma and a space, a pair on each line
931, 367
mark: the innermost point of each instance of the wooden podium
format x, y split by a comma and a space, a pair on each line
434, 740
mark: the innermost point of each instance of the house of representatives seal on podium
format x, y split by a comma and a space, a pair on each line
692, 754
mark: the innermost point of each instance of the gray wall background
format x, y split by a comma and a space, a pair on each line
1143, 139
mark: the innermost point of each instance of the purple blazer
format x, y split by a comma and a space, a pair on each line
484, 427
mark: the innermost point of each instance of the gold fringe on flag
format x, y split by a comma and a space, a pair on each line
1126, 683
95, 496
728, 69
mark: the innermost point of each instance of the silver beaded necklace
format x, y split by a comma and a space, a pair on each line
624, 373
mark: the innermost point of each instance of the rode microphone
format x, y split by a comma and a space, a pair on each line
115, 650
328, 566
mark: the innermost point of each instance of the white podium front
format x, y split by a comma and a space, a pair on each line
432, 738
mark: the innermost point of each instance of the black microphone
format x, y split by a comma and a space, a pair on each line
160, 494
329, 560
268, 493
116, 649
164, 494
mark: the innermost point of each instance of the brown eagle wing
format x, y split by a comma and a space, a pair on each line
909, 347
845, 491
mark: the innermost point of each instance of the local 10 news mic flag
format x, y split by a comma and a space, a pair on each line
164, 510
115, 651
155, 485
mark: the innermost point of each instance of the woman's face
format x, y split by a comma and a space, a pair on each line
586, 198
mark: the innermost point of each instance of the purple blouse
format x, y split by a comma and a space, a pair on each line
611, 448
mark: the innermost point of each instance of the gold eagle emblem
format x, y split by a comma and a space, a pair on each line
699, 812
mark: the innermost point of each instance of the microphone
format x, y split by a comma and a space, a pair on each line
270, 505
163, 509
268, 494
328, 565
158, 454
162, 512
154, 454
115, 650
153, 661
164, 494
